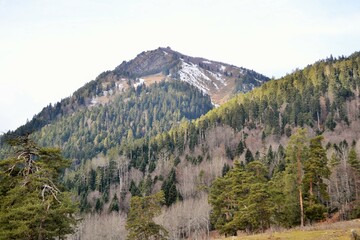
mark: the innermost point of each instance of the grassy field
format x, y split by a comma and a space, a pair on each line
333, 231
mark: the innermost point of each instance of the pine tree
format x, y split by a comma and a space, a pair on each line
33, 204
316, 169
255, 208
240, 148
114, 205
248, 156
295, 155
99, 205
140, 223
354, 160
223, 197
171, 194
241, 200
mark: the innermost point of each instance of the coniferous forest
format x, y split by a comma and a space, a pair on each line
285, 154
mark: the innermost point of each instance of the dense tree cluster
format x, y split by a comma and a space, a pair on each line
141, 112
241, 199
246, 198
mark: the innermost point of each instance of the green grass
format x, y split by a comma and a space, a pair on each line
324, 231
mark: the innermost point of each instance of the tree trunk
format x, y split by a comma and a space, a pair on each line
301, 208
300, 191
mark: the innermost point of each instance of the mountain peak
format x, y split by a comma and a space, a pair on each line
219, 80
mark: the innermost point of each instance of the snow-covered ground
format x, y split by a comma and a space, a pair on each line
119, 86
218, 77
192, 74
141, 82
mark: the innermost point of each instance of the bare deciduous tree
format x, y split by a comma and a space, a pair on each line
106, 226
187, 219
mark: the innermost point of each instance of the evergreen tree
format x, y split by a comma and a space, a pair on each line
114, 205
240, 200
134, 190
255, 208
169, 188
225, 169
223, 200
296, 153
248, 156
140, 223
99, 205
316, 169
33, 204
354, 160
240, 148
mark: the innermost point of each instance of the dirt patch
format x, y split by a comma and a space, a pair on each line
148, 80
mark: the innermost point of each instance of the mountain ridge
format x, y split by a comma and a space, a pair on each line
221, 81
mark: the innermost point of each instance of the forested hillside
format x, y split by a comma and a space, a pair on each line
283, 154
323, 98
138, 112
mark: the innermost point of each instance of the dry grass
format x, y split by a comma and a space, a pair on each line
153, 78
332, 231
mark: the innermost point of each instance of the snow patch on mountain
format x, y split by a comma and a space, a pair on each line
218, 77
141, 82
119, 86
216, 86
192, 74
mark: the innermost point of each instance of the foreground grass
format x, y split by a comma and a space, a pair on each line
333, 231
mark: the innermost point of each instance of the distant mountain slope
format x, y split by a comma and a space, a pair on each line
219, 80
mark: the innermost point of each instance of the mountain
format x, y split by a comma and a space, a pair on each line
218, 80
117, 91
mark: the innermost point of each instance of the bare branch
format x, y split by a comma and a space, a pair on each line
50, 189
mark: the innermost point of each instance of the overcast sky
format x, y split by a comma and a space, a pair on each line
50, 48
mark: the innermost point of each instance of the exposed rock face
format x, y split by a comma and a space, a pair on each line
219, 80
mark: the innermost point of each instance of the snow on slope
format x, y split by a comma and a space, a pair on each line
205, 80
192, 74
218, 77
141, 82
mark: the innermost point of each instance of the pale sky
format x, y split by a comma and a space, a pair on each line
50, 48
